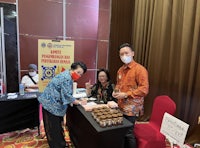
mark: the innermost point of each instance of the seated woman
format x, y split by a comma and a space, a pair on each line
30, 80
103, 89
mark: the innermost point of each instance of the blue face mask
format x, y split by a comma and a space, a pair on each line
126, 59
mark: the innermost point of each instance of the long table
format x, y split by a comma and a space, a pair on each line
19, 113
85, 131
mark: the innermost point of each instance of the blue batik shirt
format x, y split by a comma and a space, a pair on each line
58, 94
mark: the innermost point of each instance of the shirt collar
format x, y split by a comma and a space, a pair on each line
130, 65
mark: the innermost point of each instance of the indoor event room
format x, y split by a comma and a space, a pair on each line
99, 74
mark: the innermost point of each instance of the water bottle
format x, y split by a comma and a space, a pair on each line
74, 87
21, 89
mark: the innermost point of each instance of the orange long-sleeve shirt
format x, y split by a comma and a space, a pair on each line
133, 80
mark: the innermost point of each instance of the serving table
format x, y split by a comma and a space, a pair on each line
85, 132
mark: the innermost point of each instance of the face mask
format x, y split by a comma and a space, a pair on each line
75, 76
32, 74
126, 59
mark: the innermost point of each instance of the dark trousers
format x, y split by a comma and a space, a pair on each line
53, 129
129, 140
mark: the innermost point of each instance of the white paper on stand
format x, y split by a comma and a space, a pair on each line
174, 129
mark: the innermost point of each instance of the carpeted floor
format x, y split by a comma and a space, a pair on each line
28, 138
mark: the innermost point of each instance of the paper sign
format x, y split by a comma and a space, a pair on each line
174, 129
53, 58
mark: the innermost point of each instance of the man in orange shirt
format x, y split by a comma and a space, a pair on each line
131, 88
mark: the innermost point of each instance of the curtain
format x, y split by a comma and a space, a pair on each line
166, 38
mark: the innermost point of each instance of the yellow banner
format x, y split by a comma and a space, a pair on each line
53, 58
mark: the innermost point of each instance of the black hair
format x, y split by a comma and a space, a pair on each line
104, 70
125, 45
75, 65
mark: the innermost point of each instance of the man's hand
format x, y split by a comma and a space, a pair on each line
80, 102
119, 95
83, 101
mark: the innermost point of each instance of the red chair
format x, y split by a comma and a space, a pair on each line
148, 134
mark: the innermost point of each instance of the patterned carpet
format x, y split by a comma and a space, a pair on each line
28, 138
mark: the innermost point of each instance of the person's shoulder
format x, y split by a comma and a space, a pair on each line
65, 72
138, 65
121, 68
25, 76
112, 85
139, 69
142, 67
95, 85
65, 75
25, 79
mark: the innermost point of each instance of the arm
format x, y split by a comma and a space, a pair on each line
143, 84
66, 92
77, 102
28, 86
34, 86
80, 102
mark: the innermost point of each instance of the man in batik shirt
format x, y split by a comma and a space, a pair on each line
131, 88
